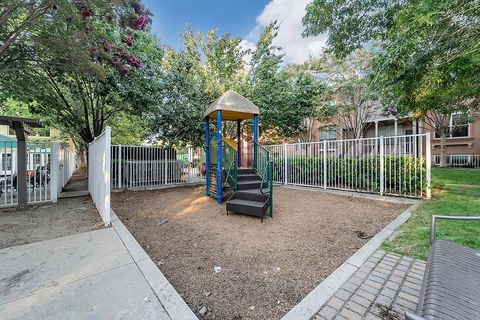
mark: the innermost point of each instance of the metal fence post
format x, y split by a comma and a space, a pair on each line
119, 165
166, 166
285, 166
324, 164
428, 155
382, 167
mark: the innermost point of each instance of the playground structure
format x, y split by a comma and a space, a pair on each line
251, 186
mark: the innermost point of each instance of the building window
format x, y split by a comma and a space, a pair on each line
6, 161
457, 127
328, 133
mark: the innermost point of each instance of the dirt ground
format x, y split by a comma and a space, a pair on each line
262, 269
49, 221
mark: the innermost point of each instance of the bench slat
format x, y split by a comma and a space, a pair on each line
451, 288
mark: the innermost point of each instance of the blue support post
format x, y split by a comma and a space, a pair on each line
255, 139
207, 155
219, 157
239, 142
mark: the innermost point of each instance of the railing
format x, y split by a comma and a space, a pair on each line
141, 167
99, 173
263, 166
229, 159
39, 160
459, 160
384, 165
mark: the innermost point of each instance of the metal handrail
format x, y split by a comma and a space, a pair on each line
266, 176
232, 164
269, 171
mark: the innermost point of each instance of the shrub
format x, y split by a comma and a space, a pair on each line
402, 174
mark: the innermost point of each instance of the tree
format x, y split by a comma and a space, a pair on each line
192, 79
208, 66
429, 64
14, 108
178, 118
87, 67
17, 20
428, 56
285, 99
349, 101
128, 129
350, 24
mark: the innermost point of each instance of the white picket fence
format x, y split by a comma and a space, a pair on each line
142, 167
99, 173
385, 165
62, 168
49, 166
460, 160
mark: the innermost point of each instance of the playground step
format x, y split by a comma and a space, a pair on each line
256, 191
248, 176
248, 199
252, 208
245, 171
251, 195
248, 184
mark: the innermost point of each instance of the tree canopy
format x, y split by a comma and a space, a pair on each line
211, 64
349, 100
79, 63
428, 51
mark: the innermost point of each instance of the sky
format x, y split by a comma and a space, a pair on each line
244, 18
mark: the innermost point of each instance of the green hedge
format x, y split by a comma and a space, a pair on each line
403, 174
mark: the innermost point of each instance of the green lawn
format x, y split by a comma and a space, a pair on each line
457, 193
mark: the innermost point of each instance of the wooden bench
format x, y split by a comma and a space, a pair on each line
451, 285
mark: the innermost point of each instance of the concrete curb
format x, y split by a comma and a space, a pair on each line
172, 302
312, 303
183, 185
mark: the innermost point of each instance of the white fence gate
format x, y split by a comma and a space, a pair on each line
99, 173
386, 165
141, 167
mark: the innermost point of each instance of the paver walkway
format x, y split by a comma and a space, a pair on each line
383, 288
84, 276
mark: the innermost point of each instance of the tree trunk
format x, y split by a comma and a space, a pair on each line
443, 149
81, 154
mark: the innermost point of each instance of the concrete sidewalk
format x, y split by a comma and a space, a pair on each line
85, 276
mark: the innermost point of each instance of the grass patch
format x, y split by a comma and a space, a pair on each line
457, 193
456, 176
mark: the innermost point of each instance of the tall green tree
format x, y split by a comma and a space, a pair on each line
350, 24
348, 101
428, 52
429, 64
208, 66
89, 63
192, 79
285, 99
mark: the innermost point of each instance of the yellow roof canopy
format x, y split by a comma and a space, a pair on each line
233, 106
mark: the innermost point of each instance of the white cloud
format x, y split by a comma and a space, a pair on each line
289, 14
